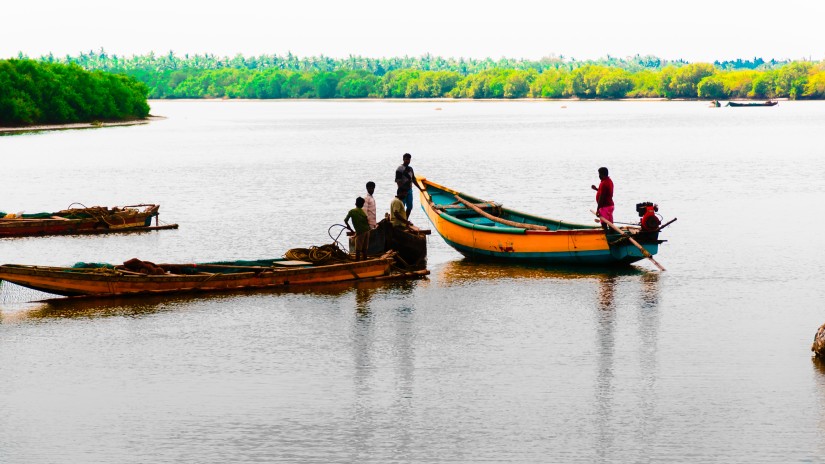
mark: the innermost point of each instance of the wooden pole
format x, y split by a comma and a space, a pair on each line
667, 224
645, 253
498, 219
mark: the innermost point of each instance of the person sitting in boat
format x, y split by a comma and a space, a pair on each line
404, 178
604, 197
362, 228
398, 215
369, 205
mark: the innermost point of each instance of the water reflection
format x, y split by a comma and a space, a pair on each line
605, 349
647, 328
369, 354
142, 305
467, 271
819, 386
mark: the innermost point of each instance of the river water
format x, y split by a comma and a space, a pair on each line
707, 362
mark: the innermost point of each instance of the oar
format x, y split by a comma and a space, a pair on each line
506, 222
645, 253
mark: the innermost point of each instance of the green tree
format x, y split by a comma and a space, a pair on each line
614, 83
711, 87
683, 82
325, 84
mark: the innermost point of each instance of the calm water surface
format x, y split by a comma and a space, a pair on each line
707, 362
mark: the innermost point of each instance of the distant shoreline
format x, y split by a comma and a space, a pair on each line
78, 125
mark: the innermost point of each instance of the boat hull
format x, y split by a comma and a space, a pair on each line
582, 245
104, 283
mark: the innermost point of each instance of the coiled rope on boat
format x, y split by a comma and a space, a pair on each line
324, 254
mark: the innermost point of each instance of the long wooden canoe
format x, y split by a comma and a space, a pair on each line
485, 230
107, 280
93, 220
746, 104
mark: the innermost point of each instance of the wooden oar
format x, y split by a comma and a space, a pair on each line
498, 219
645, 253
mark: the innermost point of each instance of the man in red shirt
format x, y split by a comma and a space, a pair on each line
604, 197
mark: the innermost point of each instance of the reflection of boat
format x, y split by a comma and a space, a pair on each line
47, 307
94, 220
466, 271
411, 244
766, 103
139, 277
486, 230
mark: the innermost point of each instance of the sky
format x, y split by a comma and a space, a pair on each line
696, 31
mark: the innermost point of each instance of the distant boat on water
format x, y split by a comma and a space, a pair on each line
742, 104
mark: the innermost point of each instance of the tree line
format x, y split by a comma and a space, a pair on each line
97, 86
796, 80
36, 92
289, 76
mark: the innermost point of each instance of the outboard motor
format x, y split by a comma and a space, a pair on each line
650, 221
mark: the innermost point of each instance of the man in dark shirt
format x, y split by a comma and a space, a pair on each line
604, 197
404, 177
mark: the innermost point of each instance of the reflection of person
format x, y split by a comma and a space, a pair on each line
404, 177
362, 228
369, 204
604, 197
398, 216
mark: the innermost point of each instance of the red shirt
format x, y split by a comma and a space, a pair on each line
604, 196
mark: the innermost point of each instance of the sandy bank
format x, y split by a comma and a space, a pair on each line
79, 125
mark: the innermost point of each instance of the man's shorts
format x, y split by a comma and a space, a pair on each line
408, 199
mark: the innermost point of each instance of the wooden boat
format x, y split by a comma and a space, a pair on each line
140, 277
738, 105
485, 230
94, 220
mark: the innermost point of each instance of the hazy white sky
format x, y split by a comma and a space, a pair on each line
697, 30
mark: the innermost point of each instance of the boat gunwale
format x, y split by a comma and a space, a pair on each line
571, 226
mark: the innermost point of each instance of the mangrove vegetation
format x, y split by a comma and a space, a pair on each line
36, 92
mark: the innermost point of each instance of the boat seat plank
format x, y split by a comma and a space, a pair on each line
292, 263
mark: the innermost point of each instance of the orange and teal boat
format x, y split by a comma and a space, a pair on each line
485, 230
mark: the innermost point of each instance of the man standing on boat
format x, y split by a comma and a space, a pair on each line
361, 228
369, 204
604, 197
404, 177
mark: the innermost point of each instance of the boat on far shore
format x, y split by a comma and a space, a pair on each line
745, 104
83, 220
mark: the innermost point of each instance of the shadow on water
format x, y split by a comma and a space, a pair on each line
142, 305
